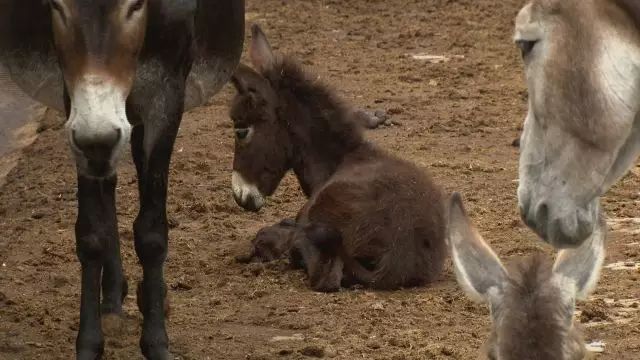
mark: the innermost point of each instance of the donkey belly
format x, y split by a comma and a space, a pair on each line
38, 76
206, 78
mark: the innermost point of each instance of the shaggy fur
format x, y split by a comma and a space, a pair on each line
371, 218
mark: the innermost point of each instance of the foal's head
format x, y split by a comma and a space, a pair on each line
531, 306
281, 112
582, 65
262, 145
97, 42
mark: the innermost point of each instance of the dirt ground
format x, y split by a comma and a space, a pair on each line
457, 120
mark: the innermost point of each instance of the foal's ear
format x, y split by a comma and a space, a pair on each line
478, 269
260, 51
581, 266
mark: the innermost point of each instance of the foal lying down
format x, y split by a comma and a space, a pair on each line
371, 218
532, 305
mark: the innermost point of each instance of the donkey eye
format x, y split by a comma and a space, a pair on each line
526, 46
135, 7
243, 134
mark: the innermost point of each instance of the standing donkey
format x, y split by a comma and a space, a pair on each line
532, 305
122, 70
371, 218
582, 130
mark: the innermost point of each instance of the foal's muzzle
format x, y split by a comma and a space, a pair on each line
246, 194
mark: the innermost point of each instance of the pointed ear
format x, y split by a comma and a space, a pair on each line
260, 51
581, 266
243, 79
479, 271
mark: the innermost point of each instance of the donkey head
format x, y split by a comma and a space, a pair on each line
262, 145
582, 66
531, 307
98, 42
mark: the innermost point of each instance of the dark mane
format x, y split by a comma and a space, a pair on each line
306, 97
534, 308
323, 129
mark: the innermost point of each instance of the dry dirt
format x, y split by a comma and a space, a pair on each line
458, 119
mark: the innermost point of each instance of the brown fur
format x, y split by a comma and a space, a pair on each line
531, 323
85, 51
371, 217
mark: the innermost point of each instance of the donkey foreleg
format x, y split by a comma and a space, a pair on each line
152, 145
97, 246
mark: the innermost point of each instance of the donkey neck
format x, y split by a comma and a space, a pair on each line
321, 127
319, 149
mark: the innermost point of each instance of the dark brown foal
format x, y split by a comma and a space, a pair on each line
371, 218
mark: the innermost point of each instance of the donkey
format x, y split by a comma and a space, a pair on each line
121, 70
371, 218
532, 305
581, 133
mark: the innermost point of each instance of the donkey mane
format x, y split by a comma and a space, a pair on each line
304, 97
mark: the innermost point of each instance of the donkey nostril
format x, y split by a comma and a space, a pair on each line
97, 146
542, 214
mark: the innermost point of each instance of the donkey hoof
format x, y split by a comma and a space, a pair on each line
87, 354
156, 354
112, 324
155, 350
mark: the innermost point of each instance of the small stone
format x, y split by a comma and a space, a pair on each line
181, 286
516, 142
313, 351
377, 306
59, 281
37, 215
373, 345
330, 352
172, 222
446, 351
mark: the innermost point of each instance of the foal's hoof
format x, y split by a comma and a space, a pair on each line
112, 324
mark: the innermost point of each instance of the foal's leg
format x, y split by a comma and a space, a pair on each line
318, 248
152, 145
96, 244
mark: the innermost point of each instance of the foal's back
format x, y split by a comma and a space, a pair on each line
390, 215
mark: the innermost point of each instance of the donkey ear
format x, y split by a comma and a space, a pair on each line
260, 51
478, 269
244, 78
581, 266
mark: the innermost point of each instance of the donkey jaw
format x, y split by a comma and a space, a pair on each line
246, 194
